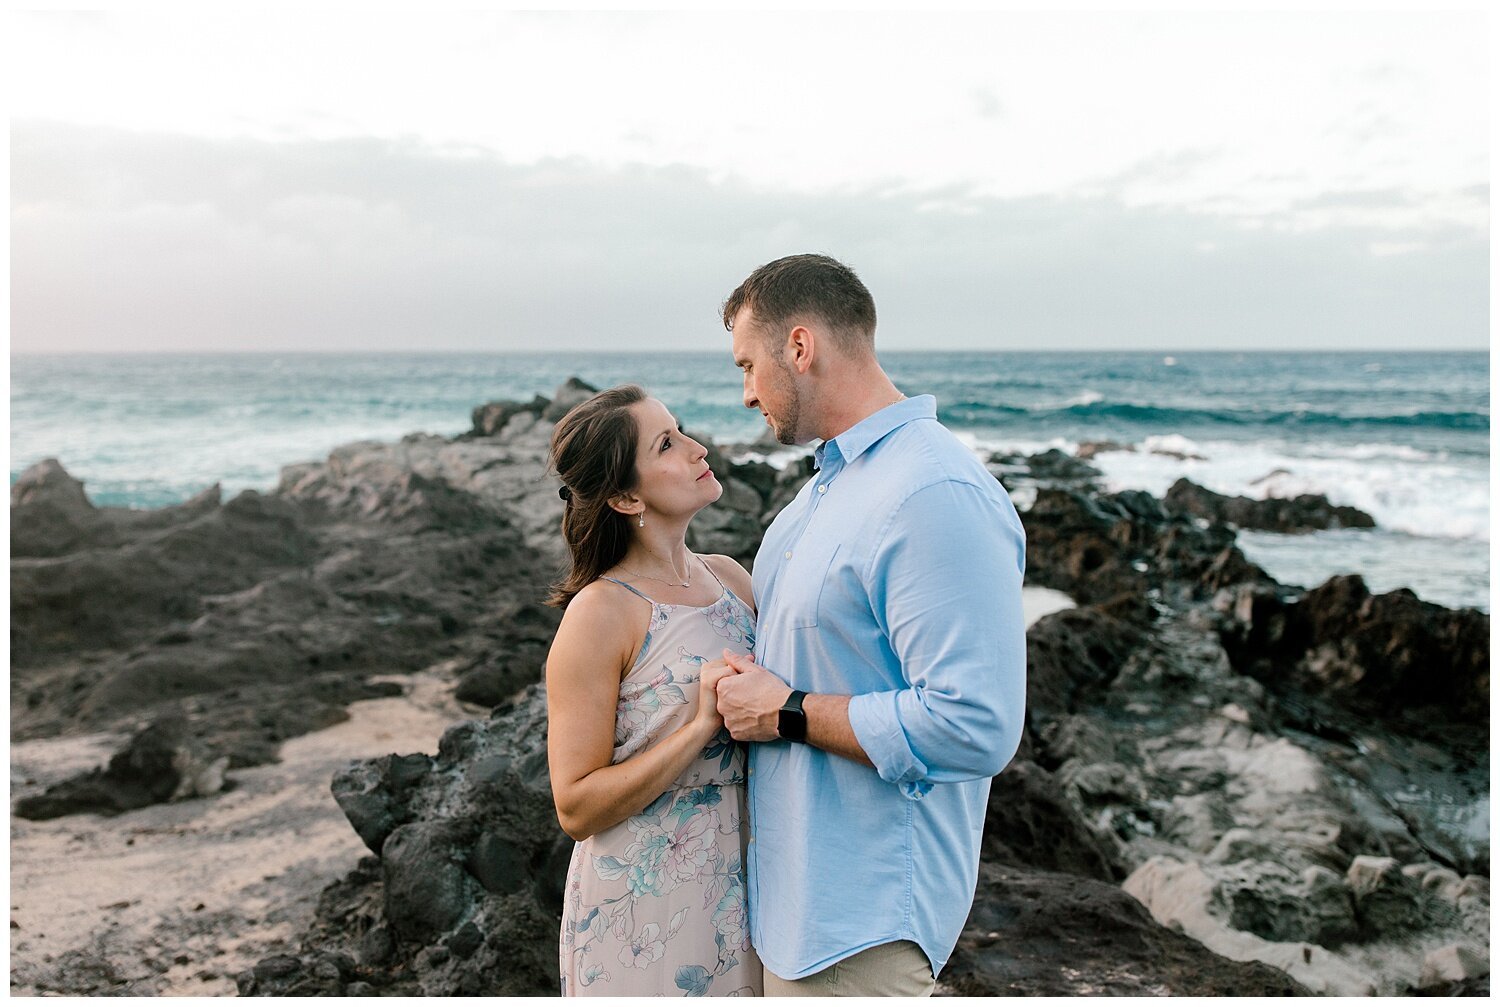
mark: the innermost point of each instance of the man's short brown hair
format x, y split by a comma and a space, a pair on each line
801, 285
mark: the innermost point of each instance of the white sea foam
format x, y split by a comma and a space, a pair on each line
777, 458
1401, 488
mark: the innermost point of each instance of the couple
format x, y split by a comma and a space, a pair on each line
876, 665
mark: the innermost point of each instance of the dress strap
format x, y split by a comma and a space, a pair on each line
629, 588
726, 589
722, 586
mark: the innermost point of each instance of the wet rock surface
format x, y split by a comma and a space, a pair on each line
1303, 513
1225, 785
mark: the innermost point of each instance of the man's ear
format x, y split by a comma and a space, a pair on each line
801, 347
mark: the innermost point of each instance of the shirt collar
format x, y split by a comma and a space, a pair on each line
863, 435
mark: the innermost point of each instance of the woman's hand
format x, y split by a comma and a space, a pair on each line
709, 675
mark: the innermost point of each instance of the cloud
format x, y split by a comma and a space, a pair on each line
140, 241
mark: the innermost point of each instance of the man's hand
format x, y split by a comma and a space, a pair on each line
750, 701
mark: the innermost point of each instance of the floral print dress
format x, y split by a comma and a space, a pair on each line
655, 906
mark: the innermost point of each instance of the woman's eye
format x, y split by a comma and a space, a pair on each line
666, 442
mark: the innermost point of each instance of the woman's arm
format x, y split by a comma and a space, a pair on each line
592, 649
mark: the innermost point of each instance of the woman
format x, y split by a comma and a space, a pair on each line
644, 775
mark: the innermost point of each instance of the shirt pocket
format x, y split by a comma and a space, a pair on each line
811, 570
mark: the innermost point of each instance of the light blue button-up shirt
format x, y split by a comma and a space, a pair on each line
894, 577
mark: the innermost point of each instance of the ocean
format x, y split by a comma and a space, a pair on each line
1404, 436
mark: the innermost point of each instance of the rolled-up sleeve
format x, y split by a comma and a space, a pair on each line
944, 581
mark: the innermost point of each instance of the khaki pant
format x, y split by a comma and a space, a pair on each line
899, 969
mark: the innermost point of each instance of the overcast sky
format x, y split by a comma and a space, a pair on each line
452, 181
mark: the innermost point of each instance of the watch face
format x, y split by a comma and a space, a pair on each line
792, 725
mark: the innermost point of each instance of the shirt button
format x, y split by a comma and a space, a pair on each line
823, 488
752, 839
788, 555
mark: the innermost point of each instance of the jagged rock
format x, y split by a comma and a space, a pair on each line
1389, 655
161, 763
466, 894
492, 417
369, 563
1031, 824
1069, 652
1310, 924
1454, 963
1089, 449
1058, 466
1303, 513
570, 393
50, 513
1042, 934
490, 684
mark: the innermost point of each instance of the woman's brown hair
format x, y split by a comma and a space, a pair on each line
593, 452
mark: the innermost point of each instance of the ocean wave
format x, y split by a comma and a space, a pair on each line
1274, 418
1093, 407
1402, 489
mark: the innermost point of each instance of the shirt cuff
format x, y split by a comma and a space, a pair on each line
877, 727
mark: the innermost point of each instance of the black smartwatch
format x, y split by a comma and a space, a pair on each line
791, 724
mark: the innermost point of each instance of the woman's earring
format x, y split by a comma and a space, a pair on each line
643, 519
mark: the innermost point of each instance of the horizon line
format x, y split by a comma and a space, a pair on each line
685, 352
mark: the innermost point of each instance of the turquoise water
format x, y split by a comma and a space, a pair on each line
1403, 436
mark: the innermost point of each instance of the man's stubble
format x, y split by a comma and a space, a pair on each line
785, 427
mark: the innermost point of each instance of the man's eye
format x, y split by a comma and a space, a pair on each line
666, 442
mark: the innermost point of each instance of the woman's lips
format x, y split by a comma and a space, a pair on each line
706, 474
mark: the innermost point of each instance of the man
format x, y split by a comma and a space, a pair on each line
888, 685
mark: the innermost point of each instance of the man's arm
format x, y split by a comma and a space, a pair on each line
945, 586
751, 702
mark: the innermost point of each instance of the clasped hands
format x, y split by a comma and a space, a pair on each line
748, 697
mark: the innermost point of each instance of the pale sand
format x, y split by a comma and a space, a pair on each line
217, 882
179, 898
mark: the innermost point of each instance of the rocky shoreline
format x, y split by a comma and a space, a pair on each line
1227, 785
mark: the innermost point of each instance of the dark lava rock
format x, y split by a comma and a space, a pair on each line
1031, 824
1043, 934
50, 513
262, 618
1304, 513
327, 974
465, 896
492, 684
570, 393
1098, 546
115, 597
1091, 449
159, 764
1055, 465
491, 418
1073, 653
1391, 655
427, 889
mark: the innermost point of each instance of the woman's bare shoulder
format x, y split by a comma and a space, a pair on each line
602, 620
734, 576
